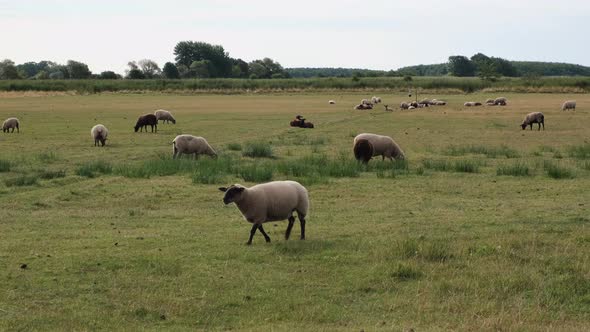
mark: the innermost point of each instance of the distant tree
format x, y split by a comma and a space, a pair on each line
504, 67
201, 69
242, 66
132, 65
8, 70
42, 75
487, 71
149, 68
184, 71
57, 75
267, 68
108, 75
187, 52
170, 71
257, 70
461, 66
408, 78
78, 70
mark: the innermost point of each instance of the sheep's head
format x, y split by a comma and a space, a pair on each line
233, 193
136, 128
523, 126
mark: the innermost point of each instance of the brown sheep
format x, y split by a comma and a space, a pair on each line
146, 120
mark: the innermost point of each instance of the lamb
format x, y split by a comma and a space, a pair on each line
146, 120
534, 117
363, 150
569, 105
375, 100
500, 101
472, 103
331, 102
99, 133
189, 144
11, 123
383, 146
165, 116
272, 201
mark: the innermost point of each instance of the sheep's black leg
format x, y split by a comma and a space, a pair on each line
289, 227
543, 125
539, 126
302, 222
252, 232
266, 237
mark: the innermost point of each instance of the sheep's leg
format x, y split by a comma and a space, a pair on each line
289, 227
252, 232
302, 222
539, 126
266, 237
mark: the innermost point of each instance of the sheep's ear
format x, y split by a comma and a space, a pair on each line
224, 189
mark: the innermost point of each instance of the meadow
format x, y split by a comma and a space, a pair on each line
484, 227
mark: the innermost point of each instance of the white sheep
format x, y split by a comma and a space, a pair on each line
99, 133
331, 102
189, 144
439, 103
534, 117
375, 100
383, 146
490, 101
165, 116
11, 123
472, 103
272, 201
569, 105
500, 101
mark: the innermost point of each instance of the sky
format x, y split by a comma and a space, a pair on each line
371, 34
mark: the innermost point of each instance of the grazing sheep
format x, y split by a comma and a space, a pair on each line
404, 105
146, 120
440, 103
383, 146
500, 101
569, 105
413, 103
535, 117
272, 201
366, 101
331, 102
412, 107
387, 109
375, 100
165, 116
99, 133
490, 101
11, 123
425, 102
363, 150
189, 144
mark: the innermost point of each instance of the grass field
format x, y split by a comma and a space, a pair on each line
486, 227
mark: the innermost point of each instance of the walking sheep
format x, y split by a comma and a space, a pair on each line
569, 105
165, 116
146, 120
189, 144
363, 150
383, 146
11, 123
535, 117
99, 133
272, 201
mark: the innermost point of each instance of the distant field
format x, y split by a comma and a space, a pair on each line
485, 227
570, 84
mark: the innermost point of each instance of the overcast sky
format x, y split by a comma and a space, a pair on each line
106, 34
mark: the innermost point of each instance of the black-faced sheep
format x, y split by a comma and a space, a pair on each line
99, 133
569, 105
535, 117
11, 123
364, 107
273, 201
146, 120
404, 105
165, 116
189, 144
383, 146
363, 150
501, 101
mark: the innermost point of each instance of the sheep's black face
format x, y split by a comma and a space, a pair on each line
232, 194
136, 128
523, 126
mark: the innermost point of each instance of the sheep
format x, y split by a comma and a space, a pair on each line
363, 150
534, 117
569, 105
99, 133
331, 102
189, 144
364, 107
413, 103
375, 100
146, 120
404, 105
500, 101
412, 107
383, 146
165, 116
472, 103
490, 101
366, 101
440, 103
11, 123
272, 201
425, 102
387, 109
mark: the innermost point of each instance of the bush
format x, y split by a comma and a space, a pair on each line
258, 150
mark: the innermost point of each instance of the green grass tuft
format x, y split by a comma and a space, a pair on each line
94, 168
406, 272
4, 165
259, 172
490, 152
22, 180
258, 150
48, 175
557, 171
515, 169
234, 146
579, 151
